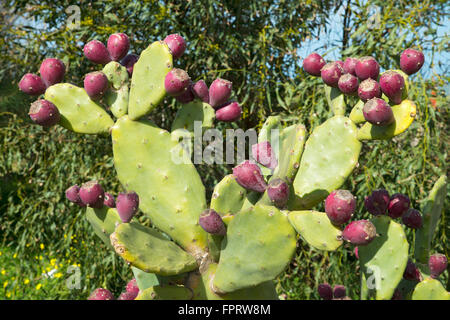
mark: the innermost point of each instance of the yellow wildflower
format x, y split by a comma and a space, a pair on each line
42, 246
15, 255
3, 272
8, 294
38, 286
5, 284
26, 281
58, 275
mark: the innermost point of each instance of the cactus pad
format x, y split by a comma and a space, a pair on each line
335, 99
144, 280
430, 289
168, 292
194, 111
147, 83
228, 196
78, 112
103, 221
316, 229
266, 134
148, 250
356, 115
117, 95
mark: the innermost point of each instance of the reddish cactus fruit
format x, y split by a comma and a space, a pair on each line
118, 45
95, 84
176, 44
176, 81
263, 154
278, 192
340, 206
349, 65
127, 205
341, 63
44, 113
378, 202
412, 273
109, 200
96, 52
339, 291
411, 61
212, 222
378, 112
313, 64
101, 294
412, 218
367, 67
132, 287
325, 291
398, 205
229, 112
397, 295
127, 296
201, 91
369, 89
32, 84
331, 72
92, 194
249, 176
186, 96
355, 251
348, 84
360, 232
72, 194
392, 84
129, 61
219, 92
437, 264
52, 71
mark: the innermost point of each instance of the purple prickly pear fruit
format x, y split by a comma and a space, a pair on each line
360, 232
52, 71
392, 85
349, 65
109, 200
95, 84
229, 113
398, 204
32, 84
397, 295
437, 264
378, 202
101, 294
278, 192
412, 218
201, 91
72, 194
340, 206
348, 84
44, 113
249, 176
186, 96
378, 112
412, 273
176, 81
313, 64
127, 205
411, 61
96, 52
355, 251
369, 89
212, 222
330, 73
339, 291
263, 154
129, 61
176, 44
325, 291
341, 63
118, 45
132, 287
92, 194
127, 296
367, 67
219, 92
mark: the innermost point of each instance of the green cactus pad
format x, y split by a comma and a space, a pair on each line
384, 260
335, 99
78, 112
228, 196
214, 246
194, 111
148, 250
356, 115
170, 190
266, 134
259, 244
316, 229
404, 114
330, 155
117, 95
103, 221
165, 293
144, 280
431, 212
147, 83
430, 289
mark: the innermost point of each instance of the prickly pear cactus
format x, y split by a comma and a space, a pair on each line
257, 214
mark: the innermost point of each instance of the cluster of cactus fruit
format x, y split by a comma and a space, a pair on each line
235, 247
